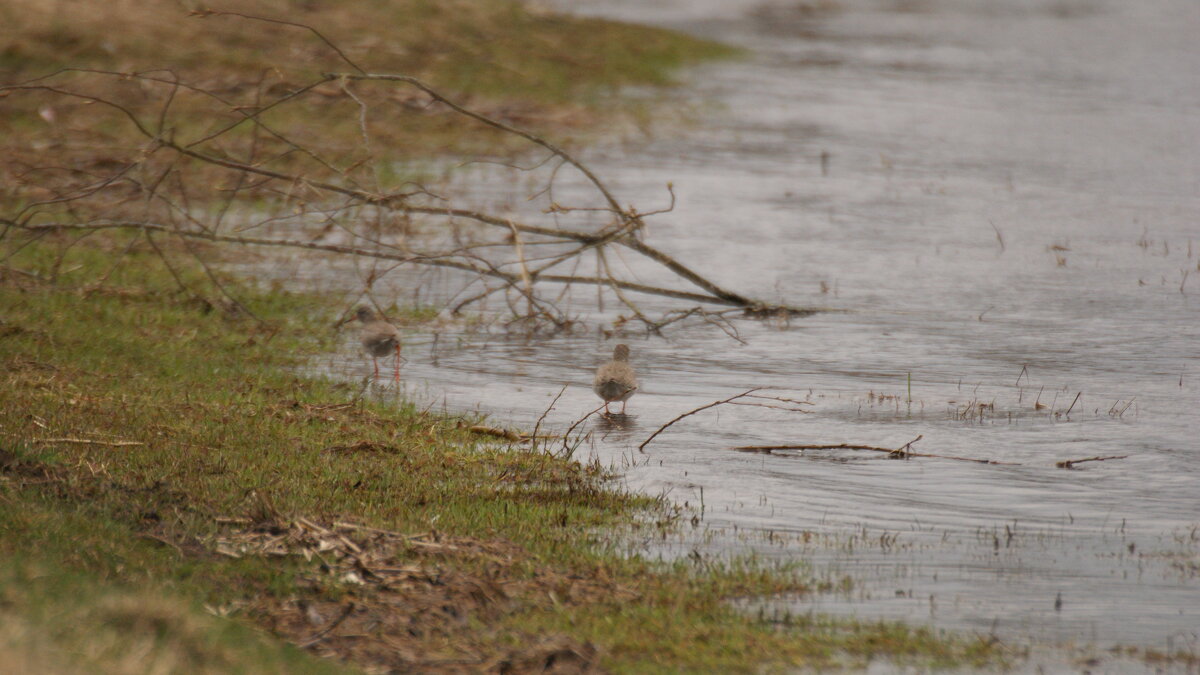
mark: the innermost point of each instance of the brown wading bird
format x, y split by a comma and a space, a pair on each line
379, 338
615, 380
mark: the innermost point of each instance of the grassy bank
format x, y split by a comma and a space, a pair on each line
172, 488
188, 74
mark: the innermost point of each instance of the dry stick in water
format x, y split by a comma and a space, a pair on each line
1077, 395
1070, 463
632, 221
641, 448
906, 449
903, 451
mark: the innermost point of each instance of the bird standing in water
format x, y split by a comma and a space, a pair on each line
379, 338
615, 380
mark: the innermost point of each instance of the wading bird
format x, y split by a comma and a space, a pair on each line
379, 338
615, 380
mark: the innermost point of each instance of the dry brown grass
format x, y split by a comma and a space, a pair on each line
420, 602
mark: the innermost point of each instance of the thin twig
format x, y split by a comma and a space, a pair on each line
641, 448
1077, 395
538, 425
567, 436
203, 13
999, 237
772, 407
1070, 463
532, 138
906, 449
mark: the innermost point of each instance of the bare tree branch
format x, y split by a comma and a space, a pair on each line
302, 197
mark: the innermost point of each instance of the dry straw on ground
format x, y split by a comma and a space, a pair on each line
402, 596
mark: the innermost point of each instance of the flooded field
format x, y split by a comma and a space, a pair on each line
1001, 202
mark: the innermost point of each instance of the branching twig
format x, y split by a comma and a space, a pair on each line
538, 425
314, 192
567, 435
532, 138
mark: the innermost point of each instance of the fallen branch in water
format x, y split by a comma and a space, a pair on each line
300, 197
1070, 463
901, 452
767, 449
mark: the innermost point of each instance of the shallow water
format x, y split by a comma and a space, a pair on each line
1005, 213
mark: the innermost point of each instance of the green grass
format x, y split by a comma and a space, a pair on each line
501, 48
229, 428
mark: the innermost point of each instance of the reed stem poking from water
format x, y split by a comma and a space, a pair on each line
1073, 402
